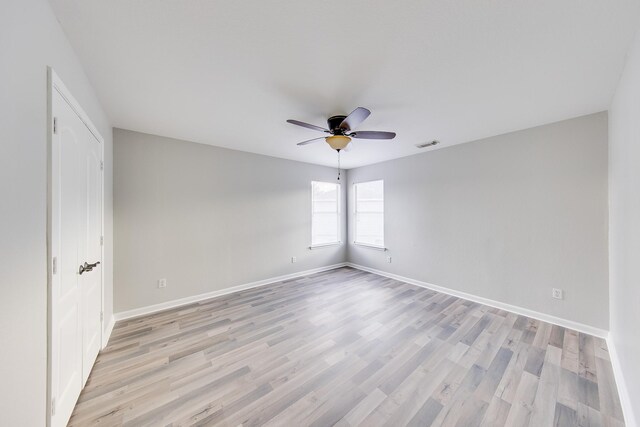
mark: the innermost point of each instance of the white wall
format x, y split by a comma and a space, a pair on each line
31, 39
624, 229
207, 218
505, 218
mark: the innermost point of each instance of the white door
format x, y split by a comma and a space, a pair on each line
76, 288
91, 250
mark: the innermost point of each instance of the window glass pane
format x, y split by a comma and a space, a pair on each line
372, 190
325, 206
325, 191
369, 224
371, 206
325, 215
370, 227
325, 228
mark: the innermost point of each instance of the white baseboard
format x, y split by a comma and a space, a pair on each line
107, 331
196, 298
602, 333
623, 391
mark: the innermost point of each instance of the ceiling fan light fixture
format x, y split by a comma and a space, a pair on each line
338, 142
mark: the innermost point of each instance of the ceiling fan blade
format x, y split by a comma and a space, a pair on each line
307, 125
373, 134
356, 117
309, 141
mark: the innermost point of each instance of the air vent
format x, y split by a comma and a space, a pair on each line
428, 144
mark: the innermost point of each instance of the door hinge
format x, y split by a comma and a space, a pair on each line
101, 165
54, 265
102, 316
53, 406
101, 240
55, 125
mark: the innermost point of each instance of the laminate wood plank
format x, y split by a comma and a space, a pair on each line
402, 372
570, 351
426, 415
453, 410
508, 385
586, 357
557, 336
448, 387
347, 348
543, 412
588, 417
472, 412
535, 361
607, 390
496, 414
335, 409
494, 374
522, 405
564, 416
412, 396
494, 345
360, 411
568, 389
270, 411
601, 349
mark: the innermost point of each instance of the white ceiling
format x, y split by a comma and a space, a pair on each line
229, 73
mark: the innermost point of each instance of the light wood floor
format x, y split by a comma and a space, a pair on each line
348, 348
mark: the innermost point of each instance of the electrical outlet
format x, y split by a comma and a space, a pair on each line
162, 283
294, 259
557, 293
389, 259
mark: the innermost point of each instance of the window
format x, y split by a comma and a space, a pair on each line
325, 213
369, 214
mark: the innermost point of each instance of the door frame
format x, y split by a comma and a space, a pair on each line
55, 84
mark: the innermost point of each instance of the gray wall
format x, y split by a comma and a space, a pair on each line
505, 218
31, 39
207, 218
624, 225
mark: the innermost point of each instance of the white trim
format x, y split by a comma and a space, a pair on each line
196, 298
75, 105
580, 327
106, 334
324, 245
623, 391
367, 245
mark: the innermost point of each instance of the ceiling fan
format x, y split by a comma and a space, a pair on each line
342, 128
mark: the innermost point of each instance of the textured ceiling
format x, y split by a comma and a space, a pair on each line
229, 73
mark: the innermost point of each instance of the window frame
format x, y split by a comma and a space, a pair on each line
337, 213
355, 216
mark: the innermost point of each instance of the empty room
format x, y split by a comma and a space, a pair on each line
320, 213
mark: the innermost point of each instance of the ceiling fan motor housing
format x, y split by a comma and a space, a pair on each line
334, 124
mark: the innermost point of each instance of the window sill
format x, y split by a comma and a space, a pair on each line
366, 245
324, 245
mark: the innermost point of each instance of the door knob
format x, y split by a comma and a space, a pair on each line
87, 267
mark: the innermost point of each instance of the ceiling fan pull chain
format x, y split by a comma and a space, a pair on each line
338, 164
